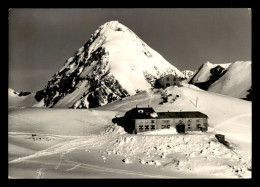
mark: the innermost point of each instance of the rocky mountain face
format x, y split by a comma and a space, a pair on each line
114, 63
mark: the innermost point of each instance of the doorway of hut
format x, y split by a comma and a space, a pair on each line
180, 128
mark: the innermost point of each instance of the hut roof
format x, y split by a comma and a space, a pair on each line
139, 113
186, 114
145, 113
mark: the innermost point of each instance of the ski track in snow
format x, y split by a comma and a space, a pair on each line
106, 169
80, 143
45, 134
66, 147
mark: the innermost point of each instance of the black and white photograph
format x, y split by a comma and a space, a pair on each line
129, 93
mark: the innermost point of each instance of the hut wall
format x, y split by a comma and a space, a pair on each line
142, 125
165, 123
191, 124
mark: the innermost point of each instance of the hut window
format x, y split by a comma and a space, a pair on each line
188, 124
152, 126
198, 120
189, 120
167, 79
146, 127
166, 126
166, 121
152, 121
189, 127
174, 78
140, 111
141, 127
198, 125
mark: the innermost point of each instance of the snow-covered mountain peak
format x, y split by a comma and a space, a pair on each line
111, 26
114, 63
207, 63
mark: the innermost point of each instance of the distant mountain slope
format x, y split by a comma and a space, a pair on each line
233, 79
203, 74
113, 64
236, 81
24, 99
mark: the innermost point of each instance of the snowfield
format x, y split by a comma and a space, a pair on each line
68, 143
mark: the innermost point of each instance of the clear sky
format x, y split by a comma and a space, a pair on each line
41, 40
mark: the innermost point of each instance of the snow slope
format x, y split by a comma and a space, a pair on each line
236, 81
65, 143
24, 101
113, 64
77, 122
